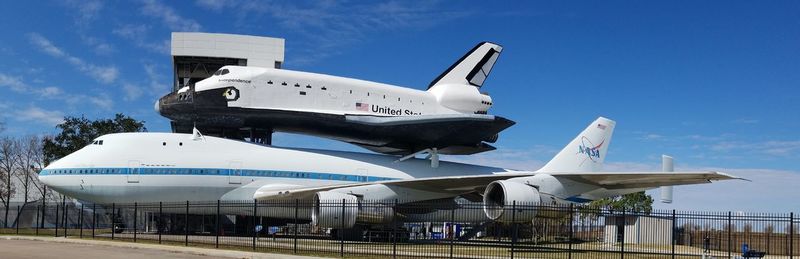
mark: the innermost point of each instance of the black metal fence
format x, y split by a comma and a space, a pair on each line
421, 229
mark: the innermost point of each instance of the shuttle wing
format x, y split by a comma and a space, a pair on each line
454, 134
458, 185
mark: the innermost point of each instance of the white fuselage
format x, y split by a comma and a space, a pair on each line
150, 167
278, 89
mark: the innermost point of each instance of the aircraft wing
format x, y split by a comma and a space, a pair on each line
626, 180
458, 185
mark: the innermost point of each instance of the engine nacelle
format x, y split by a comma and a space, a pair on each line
502, 196
343, 211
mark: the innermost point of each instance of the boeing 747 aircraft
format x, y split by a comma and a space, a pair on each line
449, 118
146, 167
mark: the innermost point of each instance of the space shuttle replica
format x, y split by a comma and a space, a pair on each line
450, 117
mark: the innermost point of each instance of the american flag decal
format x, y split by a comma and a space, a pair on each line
362, 106
601, 126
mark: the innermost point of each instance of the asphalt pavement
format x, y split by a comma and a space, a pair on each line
23, 247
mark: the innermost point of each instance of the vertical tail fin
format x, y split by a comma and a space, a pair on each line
472, 68
586, 152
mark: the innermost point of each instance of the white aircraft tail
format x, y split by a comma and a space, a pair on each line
472, 68
586, 152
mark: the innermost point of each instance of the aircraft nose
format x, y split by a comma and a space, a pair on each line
44, 177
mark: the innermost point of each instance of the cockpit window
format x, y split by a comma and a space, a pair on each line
221, 72
100, 142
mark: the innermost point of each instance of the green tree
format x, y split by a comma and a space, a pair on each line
76, 133
636, 202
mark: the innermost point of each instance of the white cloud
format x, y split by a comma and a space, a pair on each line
103, 74
154, 79
85, 11
768, 191
652, 136
33, 113
99, 46
328, 26
508, 158
13, 83
782, 148
138, 35
132, 92
51, 91
169, 17
102, 100
214, 5
17, 84
745, 121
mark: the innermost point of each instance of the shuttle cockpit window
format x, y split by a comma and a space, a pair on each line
222, 72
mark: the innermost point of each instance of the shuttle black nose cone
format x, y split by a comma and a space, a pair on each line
176, 105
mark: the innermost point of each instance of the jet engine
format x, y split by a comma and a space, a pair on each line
529, 195
343, 211
502, 196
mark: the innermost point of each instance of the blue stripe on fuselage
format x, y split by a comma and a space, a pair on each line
213, 172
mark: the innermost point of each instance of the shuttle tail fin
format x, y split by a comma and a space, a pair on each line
472, 68
586, 152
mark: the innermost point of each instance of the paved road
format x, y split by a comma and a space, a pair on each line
22, 247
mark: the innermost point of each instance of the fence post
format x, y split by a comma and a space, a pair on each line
571, 229
80, 222
255, 215
44, 204
514, 226
66, 213
94, 218
296, 212
37, 220
791, 235
66, 217
341, 231
17, 220
674, 239
113, 218
58, 220
394, 231
186, 226
159, 223
622, 244
135, 220
730, 229
216, 241
452, 230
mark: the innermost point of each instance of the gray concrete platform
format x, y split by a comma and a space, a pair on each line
23, 247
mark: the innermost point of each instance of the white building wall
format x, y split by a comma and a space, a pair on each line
258, 51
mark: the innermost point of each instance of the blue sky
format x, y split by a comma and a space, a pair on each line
716, 84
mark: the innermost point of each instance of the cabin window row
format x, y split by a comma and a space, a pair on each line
224, 172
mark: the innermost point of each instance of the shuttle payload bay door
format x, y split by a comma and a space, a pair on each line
133, 171
235, 175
